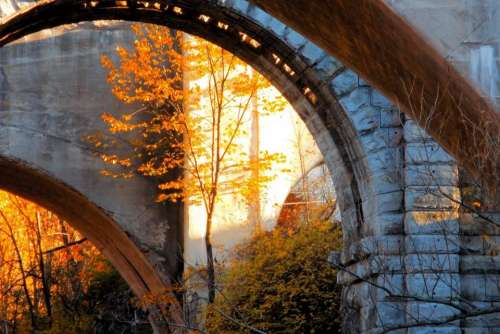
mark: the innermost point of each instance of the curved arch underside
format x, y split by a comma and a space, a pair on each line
369, 37
90, 220
86, 217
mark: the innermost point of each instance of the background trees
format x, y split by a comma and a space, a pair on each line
54, 281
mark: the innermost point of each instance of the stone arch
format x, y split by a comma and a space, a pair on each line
357, 130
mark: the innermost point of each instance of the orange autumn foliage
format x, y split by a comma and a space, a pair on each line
187, 133
54, 281
184, 136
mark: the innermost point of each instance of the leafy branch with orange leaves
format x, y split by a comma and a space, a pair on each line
188, 131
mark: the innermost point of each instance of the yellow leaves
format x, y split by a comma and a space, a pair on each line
162, 298
106, 62
199, 127
118, 126
115, 160
279, 281
172, 191
172, 185
162, 198
34, 232
127, 118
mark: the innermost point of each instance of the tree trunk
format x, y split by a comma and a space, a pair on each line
254, 214
23, 272
303, 171
43, 270
210, 260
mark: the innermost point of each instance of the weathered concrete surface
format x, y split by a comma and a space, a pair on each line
53, 92
466, 32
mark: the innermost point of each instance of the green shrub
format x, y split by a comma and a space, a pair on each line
280, 282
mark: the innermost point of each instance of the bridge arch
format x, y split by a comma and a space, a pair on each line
89, 219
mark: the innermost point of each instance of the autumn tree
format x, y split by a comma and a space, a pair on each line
193, 101
52, 280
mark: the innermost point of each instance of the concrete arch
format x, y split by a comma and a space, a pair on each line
96, 225
45, 190
355, 32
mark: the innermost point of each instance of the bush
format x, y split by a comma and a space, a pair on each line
280, 282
